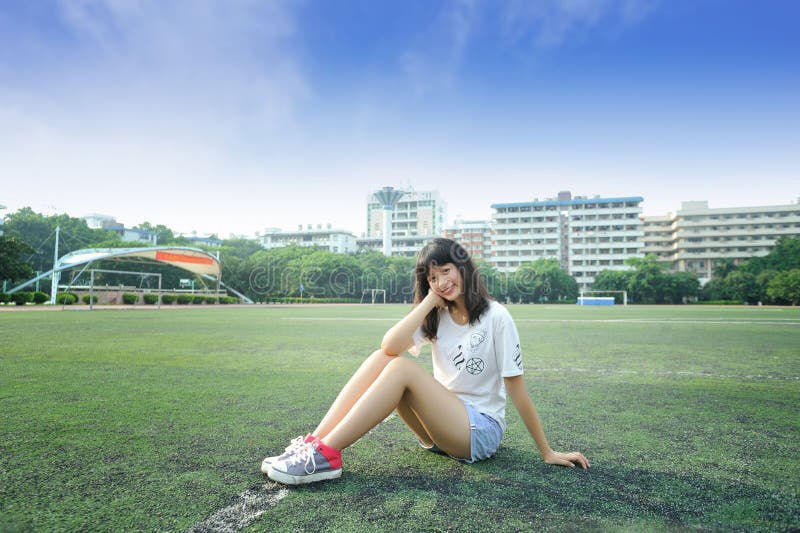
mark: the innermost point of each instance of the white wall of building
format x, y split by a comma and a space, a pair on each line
586, 235
697, 237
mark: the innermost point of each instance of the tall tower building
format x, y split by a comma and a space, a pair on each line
388, 196
418, 216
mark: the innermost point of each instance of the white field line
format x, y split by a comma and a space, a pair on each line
340, 319
677, 373
248, 506
732, 322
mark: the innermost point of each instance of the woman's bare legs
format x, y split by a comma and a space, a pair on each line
365, 376
404, 386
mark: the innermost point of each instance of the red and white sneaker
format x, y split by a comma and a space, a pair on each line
312, 461
295, 445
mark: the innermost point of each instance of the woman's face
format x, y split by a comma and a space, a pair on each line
446, 281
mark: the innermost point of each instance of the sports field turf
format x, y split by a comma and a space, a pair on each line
158, 420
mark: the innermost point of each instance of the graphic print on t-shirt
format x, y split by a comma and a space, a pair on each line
457, 357
518, 357
475, 366
476, 339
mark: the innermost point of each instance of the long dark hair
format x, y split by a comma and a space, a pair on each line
439, 252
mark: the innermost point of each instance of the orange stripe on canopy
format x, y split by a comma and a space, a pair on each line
183, 258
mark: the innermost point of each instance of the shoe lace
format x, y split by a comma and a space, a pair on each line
305, 452
295, 443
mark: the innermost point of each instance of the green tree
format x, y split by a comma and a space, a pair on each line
647, 282
762, 282
494, 280
612, 280
680, 287
785, 255
14, 266
542, 280
742, 286
164, 235
38, 231
723, 267
784, 287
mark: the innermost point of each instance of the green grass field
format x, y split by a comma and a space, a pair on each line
157, 420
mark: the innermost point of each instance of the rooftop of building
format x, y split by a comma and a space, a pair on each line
578, 200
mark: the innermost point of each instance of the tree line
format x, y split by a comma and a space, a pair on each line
293, 271
771, 279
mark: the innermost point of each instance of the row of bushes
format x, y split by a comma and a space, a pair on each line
22, 298
195, 299
719, 302
128, 298
311, 301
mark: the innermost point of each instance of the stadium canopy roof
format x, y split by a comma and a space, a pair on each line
194, 260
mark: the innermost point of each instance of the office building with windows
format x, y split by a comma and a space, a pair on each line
328, 238
586, 235
697, 237
474, 235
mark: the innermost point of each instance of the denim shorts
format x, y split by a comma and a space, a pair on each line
484, 439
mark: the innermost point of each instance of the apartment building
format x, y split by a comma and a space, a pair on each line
407, 246
474, 235
334, 240
699, 237
659, 238
586, 235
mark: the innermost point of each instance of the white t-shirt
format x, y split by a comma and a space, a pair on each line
472, 360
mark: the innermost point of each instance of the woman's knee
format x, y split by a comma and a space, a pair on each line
380, 354
378, 359
401, 364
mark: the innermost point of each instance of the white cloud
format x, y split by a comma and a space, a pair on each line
433, 60
149, 97
227, 63
551, 23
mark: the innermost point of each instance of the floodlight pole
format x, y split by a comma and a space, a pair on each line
56, 272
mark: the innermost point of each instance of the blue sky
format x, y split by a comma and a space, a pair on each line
233, 116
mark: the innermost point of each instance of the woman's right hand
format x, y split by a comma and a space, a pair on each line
400, 336
435, 299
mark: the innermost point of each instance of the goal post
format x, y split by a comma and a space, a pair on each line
373, 294
597, 298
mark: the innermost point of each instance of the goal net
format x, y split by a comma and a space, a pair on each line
373, 295
601, 298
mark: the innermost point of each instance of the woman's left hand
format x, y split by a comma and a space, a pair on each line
567, 459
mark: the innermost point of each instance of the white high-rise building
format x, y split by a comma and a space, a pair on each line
331, 239
697, 237
586, 235
418, 217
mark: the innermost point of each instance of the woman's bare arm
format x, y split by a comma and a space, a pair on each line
400, 337
515, 386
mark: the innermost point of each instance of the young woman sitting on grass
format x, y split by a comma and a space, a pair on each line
460, 410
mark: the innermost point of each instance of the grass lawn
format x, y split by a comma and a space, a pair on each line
156, 420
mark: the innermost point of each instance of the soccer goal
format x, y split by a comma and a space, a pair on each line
373, 293
595, 298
